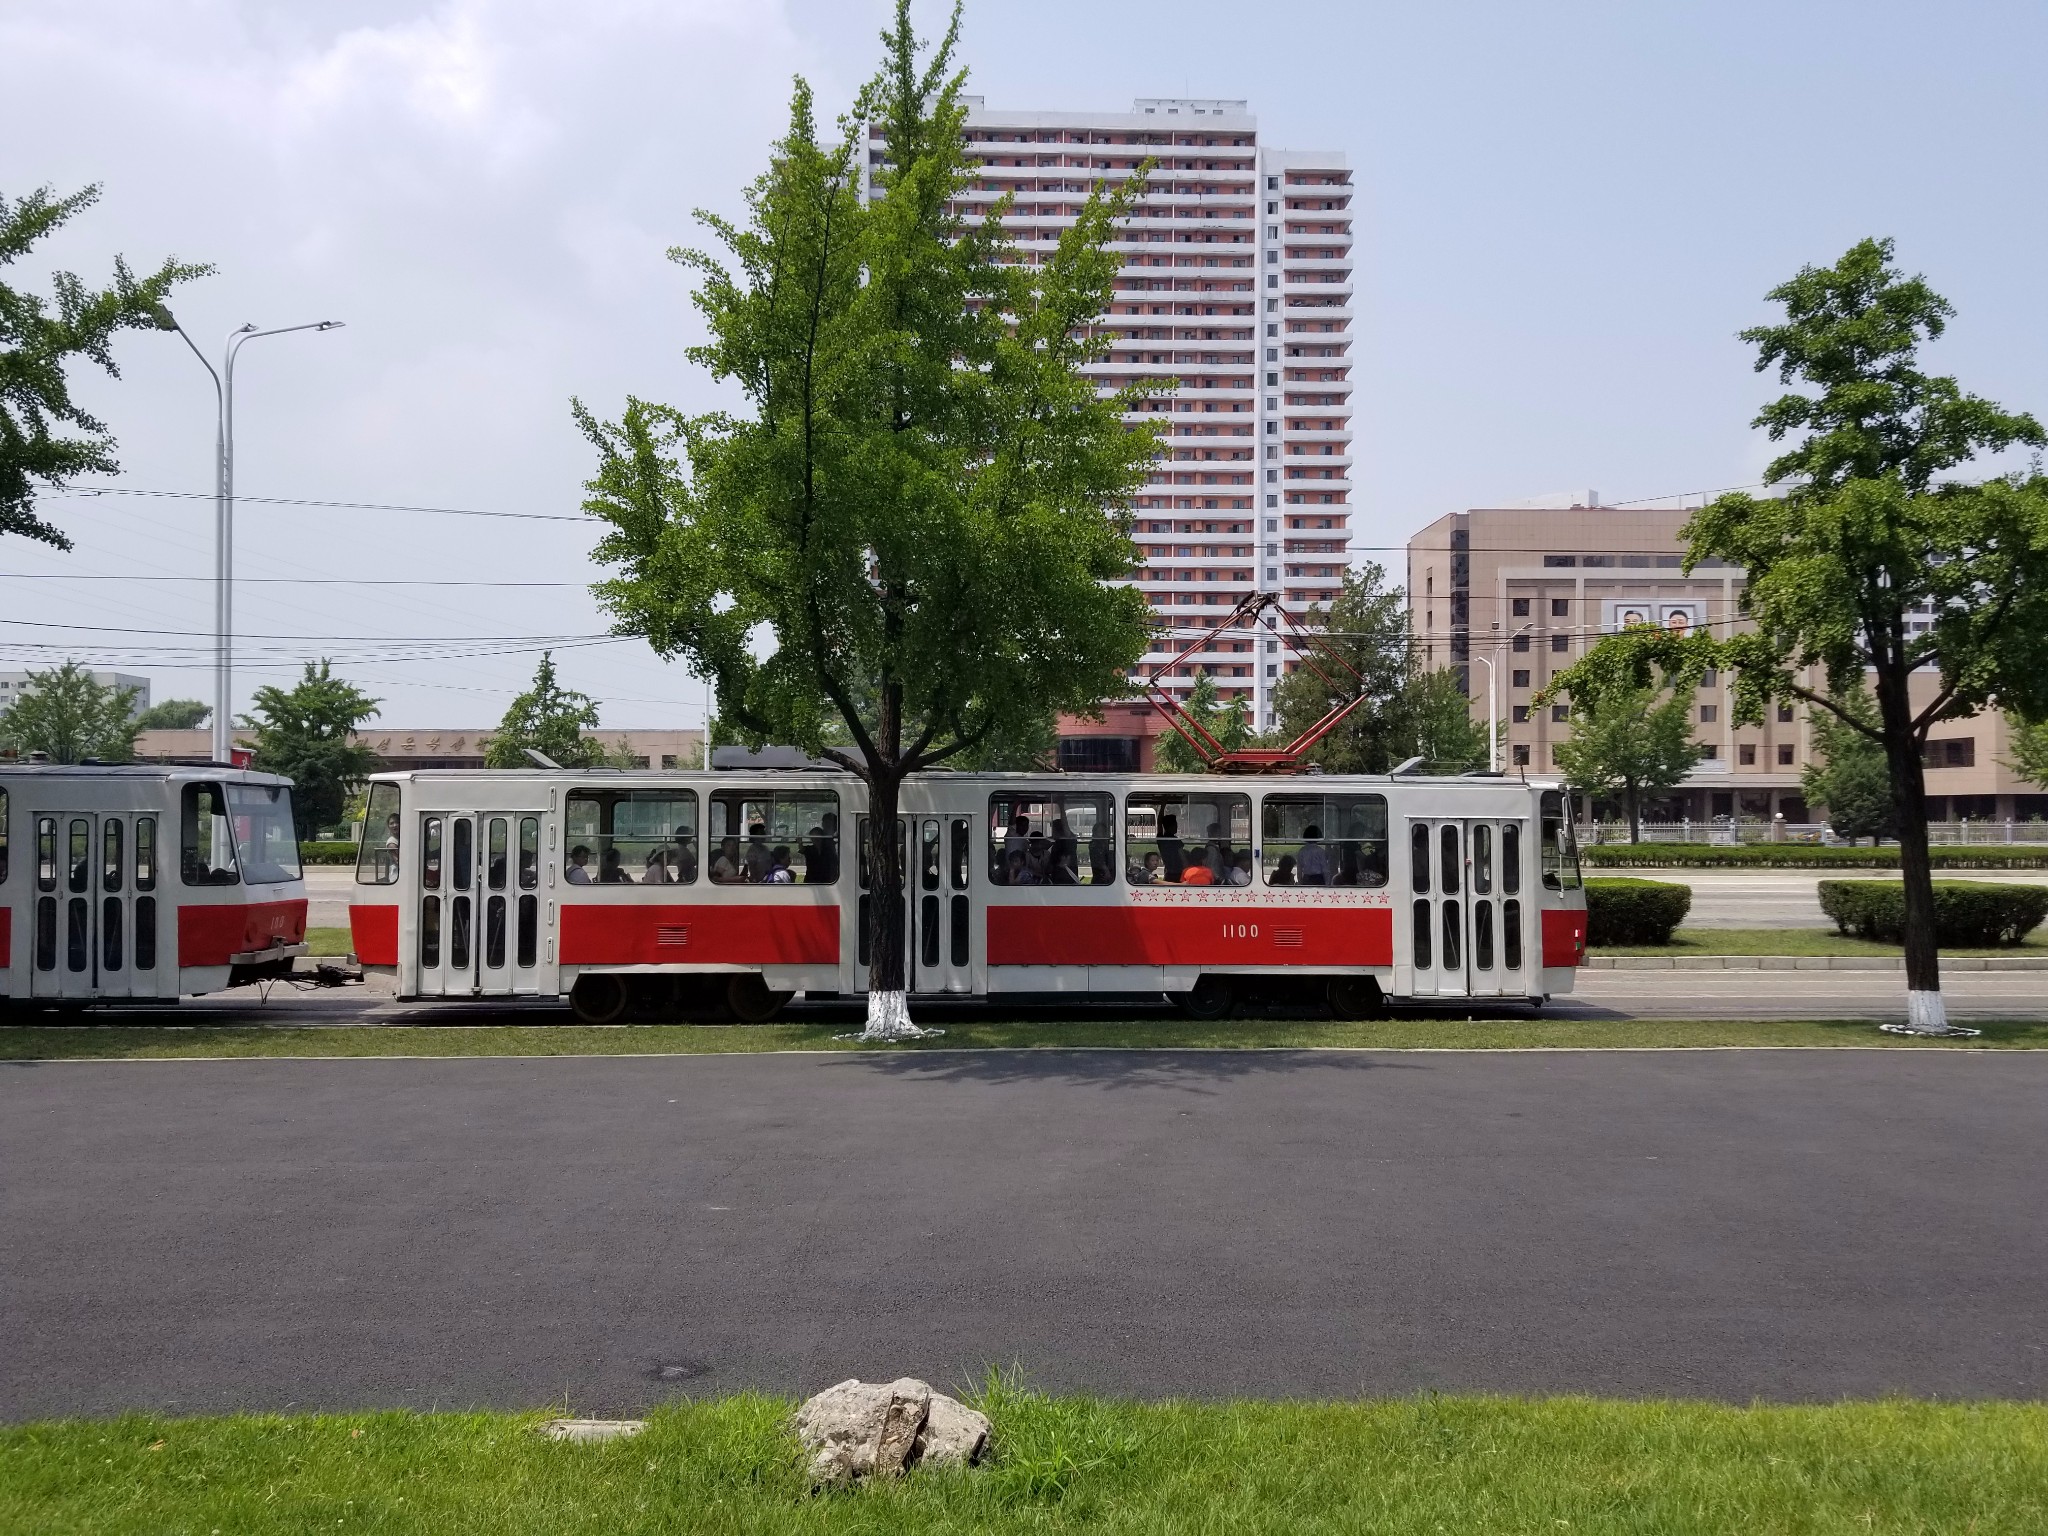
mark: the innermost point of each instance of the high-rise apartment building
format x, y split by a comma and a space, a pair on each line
1235, 303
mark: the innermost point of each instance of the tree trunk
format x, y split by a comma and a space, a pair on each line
1635, 812
888, 993
1926, 1014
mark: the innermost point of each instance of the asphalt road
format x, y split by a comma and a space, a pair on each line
606, 1233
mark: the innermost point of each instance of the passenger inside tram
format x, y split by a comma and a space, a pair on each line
729, 867
579, 865
821, 852
657, 871
778, 868
1283, 872
609, 870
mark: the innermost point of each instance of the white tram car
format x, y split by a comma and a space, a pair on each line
120, 882
730, 891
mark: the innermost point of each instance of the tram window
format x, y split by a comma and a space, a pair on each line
1511, 935
774, 837
46, 853
80, 856
145, 932
206, 850
1510, 858
461, 853
497, 852
1324, 839
377, 859
430, 932
1482, 862
1482, 935
1560, 852
430, 853
46, 933
1420, 918
928, 874
1418, 857
962, 838
529, 930
145, 862
266, 837
625, 837
1451, 866
76, 949
111, 866
529, 855
1454, 923
1198, 839
3, 836
1051, 837
110, 933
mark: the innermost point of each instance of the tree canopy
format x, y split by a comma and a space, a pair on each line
174, 715
551, 720
1229, 724
38, 336
1634, 741
1877, 560
906, 528
66, 713
304, 732
1849, 774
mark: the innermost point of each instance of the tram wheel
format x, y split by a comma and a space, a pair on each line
599, 999
751, 1001
1356, 997
1211, 997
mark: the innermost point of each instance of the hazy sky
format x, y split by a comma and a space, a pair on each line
1565, 212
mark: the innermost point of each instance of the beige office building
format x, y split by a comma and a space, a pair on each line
1528, 589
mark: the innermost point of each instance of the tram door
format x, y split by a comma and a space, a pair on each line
871, 892
942, 929
478, 926
1465, 908
95, 920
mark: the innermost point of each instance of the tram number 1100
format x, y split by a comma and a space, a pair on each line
1240, 930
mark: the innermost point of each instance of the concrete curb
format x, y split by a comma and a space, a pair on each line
1806, 963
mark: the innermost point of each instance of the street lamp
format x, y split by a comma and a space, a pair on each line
1493, 701
224, 510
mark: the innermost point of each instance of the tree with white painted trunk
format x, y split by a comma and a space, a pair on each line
1877, 560
898, 549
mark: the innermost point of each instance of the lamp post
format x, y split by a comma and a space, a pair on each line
224, 511
1493, 700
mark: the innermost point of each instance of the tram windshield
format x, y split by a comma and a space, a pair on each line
1560, 847
265, 835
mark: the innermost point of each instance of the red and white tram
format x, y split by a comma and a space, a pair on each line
736, 889
138, 881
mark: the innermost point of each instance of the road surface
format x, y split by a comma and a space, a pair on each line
604, 1233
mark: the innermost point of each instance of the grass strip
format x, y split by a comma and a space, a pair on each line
328, 943
1437, 1032
1795, 941
1427, 1465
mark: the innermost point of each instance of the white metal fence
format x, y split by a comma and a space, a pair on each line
1727, 831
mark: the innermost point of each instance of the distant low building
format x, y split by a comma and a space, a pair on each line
14, 684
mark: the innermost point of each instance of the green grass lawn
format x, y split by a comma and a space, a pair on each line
1792, 941
33, 1042
1425, 1465
328, 942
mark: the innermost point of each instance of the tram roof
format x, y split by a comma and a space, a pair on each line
1078, 781
10, 769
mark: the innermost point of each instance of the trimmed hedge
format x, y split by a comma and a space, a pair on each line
1804, 856
1968, 914
327, 853
1629, 911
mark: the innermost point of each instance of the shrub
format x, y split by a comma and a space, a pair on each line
327, 853
1968, 914
1803, 856
1628, 911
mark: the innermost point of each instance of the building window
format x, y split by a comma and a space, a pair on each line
1784, 754
1520, 754
1521, 643
1560, 642
1521, 607
1784, 714
1560, 712
1559, 562
1956, 752
1710, 752
1520, 714
1710, 678
1560, 607
1746, 755
1521, 677
1709, 713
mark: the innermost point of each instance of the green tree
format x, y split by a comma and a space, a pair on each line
304, 733
1366, 624
1872, 533
1632, 740
65, 713
37, 336
910, 525
1230, 724
2029, 750
174, 715
1850, 776
551, 720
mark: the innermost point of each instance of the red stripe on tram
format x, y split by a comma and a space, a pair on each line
1195, 935
700, 935
373, 934
209, 935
